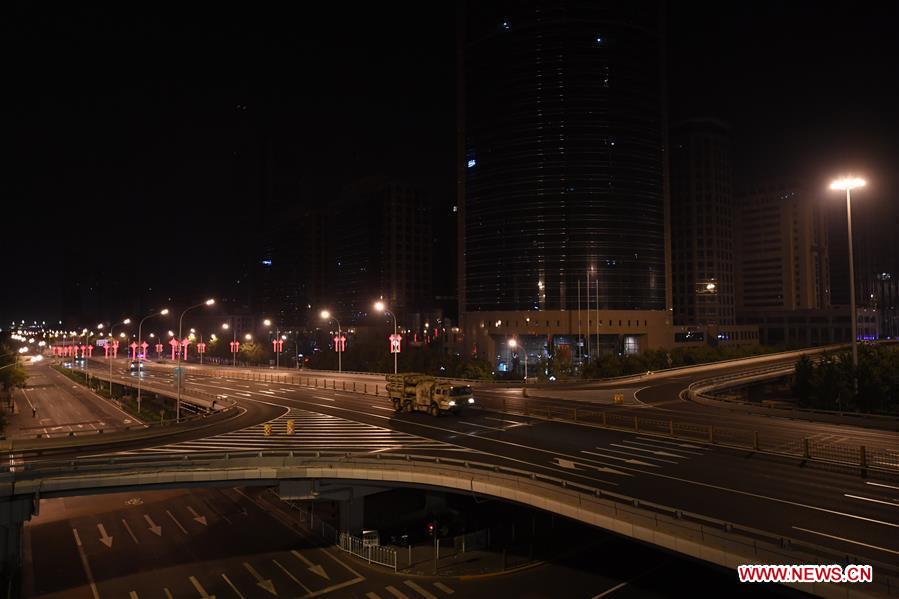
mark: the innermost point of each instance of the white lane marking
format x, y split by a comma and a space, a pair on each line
640, 455
418, 589
689, 445
625, 460
168, 593
371, 595
383, 408
870, 499
133, 595
577, 466
292, 577
324, 398
515, 422
823, 534
492, 428
881, 485
86, 565
397, 593
444, 588
663, 447
233, 588
610, 591
130, 532
199, 587
184, 530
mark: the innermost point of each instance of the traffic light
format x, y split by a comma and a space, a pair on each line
432, 528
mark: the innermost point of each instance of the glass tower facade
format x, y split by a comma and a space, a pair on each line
563, 136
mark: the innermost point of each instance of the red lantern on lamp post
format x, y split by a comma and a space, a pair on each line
174, 344
159, 348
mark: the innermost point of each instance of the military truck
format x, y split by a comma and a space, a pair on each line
412, 392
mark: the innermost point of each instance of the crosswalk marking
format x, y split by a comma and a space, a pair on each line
397, 593
312, 431
444, 588
418, 589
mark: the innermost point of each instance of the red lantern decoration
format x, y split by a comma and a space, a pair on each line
235, 347
133, 354
143, 348
201, 348
340, 343
115, 349
395, 343
174, 344
185, 343
277, 345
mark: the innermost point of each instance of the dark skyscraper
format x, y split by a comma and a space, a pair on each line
563, 151
564, 155
702, 223
380, 244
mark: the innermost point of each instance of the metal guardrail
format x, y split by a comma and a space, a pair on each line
374, 554
751, 544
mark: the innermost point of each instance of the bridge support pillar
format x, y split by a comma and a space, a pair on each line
14, 512
352, 512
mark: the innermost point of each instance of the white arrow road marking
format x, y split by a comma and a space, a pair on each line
264, 583
196, 516
316, 568
154, 528
104, 538
200, 589
292, 577
184, 530
630, 461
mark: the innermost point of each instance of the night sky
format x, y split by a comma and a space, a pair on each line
135, 137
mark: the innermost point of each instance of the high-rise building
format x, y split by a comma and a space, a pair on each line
702, 223
562, 202
380, 244
782, 257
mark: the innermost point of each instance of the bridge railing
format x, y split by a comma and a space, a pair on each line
666, 525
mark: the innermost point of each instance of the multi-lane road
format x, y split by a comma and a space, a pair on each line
829, 506
833, 507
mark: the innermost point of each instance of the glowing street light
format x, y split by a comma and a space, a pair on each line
140, 375
208, 302
850, 183
338, 342
380, 307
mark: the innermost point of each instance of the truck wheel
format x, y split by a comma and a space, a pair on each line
435, 411
407, 407
396, 405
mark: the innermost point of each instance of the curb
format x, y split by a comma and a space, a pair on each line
515, 570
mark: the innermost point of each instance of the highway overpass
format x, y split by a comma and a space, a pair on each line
774, 493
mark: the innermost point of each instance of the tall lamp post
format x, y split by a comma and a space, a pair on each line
513, 343
234, 344
140, 340
267, 322
850, 183
208, 302
380, 307
112, 340
338, 346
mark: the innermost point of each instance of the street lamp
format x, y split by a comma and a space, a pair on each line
380, 307
267, 322
208, 302
111, 339
513, 343
850, 183
140, 355
327, 316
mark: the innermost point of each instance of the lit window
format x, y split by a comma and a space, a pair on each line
505, 25
472, 162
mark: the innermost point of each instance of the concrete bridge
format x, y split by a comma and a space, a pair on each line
350, 476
